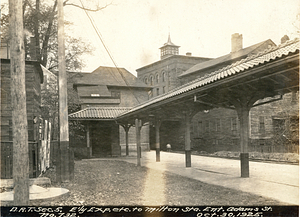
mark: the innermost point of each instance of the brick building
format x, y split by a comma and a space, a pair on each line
163, 75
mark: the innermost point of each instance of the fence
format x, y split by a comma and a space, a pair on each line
268, 148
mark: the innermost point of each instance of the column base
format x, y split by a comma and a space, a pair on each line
244, 157
157, 154
188, 158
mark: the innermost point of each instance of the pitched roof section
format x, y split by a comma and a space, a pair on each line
226, 59
230, 70
98, 113
110, 76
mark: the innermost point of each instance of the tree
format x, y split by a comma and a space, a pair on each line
18, 104
40, 22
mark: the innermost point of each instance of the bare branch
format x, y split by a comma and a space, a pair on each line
88, 9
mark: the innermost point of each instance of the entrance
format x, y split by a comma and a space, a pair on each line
101, 141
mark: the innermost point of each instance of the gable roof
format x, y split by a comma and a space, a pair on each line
98, 113
231, 57
110, 76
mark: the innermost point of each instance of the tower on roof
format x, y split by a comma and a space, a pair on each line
169, 49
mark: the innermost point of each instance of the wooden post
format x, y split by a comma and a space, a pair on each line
126, 128
138, 141
126, 138
63, 105
18, 104
88, 141
157, 139
243, 114
243, 104
187, 140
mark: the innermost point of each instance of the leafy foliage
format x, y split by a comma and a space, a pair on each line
40, 29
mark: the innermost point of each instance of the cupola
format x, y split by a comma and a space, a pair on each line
168, 49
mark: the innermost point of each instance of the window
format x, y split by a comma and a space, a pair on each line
150, 94
261, 124
163, 76
218, 125
116, 94
195, 129
212, 126
278, 125
151, 80
206, 126
234, 126
157, 91
146, 80
164, 89
95, 95
200, 127
157, 78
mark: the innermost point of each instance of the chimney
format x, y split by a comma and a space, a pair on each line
188, 54
236, 42
284, 39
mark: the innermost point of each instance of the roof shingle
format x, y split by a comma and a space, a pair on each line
111, 76
235, 56
98, 113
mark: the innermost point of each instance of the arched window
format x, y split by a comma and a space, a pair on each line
151, 80
146, 80
163, 76
157, 78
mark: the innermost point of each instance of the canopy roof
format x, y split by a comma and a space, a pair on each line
98, 113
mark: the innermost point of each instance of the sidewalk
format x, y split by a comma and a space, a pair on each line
277, 181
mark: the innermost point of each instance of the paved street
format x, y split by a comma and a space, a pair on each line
277, 181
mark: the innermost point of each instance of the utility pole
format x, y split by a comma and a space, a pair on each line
63, 172
18, 104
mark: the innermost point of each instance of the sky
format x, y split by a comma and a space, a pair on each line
134, 30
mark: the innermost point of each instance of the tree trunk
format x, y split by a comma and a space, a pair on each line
18, 103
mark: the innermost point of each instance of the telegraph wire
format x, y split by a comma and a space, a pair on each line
106, 48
